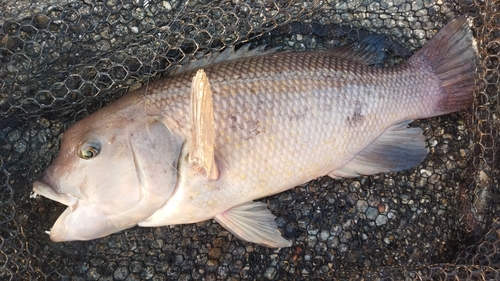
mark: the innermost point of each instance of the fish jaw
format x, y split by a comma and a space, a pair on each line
86, 221
71, 225
80, 222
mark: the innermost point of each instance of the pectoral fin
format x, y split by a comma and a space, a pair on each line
398, 148
253, 222
201, 152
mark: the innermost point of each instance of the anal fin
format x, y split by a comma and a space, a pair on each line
201, 153
253, 222
398, 148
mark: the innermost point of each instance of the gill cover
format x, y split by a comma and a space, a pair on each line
154, 152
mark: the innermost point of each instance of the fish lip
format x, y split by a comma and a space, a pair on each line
42, 188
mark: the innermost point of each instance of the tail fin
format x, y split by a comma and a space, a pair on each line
452, 54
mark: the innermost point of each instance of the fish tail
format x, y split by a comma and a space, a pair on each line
451, 54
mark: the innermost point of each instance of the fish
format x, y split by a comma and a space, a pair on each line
207, 141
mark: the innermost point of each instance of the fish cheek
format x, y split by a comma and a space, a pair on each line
70, 181
110, 181
78, 178
106, 179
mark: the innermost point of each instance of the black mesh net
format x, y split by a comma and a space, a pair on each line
62, 60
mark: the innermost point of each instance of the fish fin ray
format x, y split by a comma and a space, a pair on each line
369, 51
226, 55
452, 55
201, 150
253, 222
398, 148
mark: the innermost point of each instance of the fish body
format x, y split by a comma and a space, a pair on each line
258, 126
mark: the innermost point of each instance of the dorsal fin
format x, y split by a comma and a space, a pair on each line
369, 51
226, 55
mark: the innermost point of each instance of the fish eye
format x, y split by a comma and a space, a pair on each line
89, 150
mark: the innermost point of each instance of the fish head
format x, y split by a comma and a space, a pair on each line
112, 171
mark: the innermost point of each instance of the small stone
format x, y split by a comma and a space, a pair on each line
120, 273
215, 253
371, 213
323, 235
425, 173
381, 220
361, 206
382, 208
391, 215
417, 5
167, 5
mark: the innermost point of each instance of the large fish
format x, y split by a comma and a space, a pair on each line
205, 143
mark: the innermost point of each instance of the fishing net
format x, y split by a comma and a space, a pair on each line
62, 60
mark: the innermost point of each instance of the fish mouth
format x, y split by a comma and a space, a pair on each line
45, 190
58, 231
73, 223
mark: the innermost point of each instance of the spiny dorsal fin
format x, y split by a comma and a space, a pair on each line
201, 151
226, 55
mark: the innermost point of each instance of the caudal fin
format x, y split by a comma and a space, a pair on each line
452, 55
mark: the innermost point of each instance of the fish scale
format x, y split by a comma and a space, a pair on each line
272, 103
